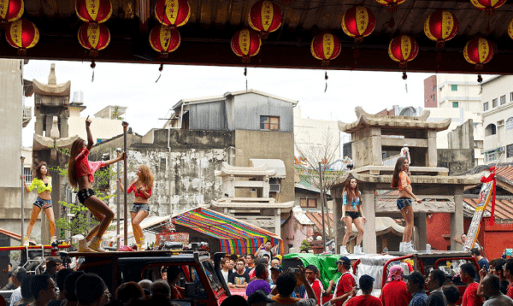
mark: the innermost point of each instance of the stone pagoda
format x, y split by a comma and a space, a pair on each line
246, 197
375, 136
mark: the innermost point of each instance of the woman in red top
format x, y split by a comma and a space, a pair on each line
401, 180
142, 190
80, 174
394, 293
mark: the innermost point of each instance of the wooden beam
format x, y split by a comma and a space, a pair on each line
400, 142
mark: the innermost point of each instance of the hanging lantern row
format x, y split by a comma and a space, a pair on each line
94, 37
164, 39
325, 47
172, 13
358, 22
478, 51
265, 17
93, 11
488, 6
441, 26
10, 10
246, 43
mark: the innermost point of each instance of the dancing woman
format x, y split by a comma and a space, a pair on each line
43, 182
352, 214
142, 190
402, 181
80, 173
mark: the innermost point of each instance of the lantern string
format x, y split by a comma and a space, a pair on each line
246, 75
326, 81
160, 69
93, 65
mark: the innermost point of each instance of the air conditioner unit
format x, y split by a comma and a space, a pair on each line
274, 187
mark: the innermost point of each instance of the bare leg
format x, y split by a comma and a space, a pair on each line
408, 230
102, 212
134, 228
51, 220
404, 217
358, 222
349, 229
33, 218
136, 220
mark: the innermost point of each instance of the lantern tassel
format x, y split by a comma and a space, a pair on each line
22, 51
160, 69
93, 65
326, 81
405, 77
479, 78
438, 56
246, 75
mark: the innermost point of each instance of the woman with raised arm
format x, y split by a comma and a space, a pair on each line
80, 174
352, 213
401, 181
142, 190
43, 183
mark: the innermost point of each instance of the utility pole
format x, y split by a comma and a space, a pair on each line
22, 158
321, 189
118, 212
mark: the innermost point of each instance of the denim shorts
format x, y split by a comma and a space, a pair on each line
43, 204
140, 206
403, 203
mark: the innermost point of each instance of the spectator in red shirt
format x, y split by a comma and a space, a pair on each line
345, 283
366, 299
394, 293
468, 276
311, 272
508, 274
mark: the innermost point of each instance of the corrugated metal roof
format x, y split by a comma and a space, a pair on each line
316, 218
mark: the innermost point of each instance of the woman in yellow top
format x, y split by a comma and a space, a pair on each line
401, 181
43, 182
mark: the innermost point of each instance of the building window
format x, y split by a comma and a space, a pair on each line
509, 123
308, 203
503, 100
491, 129
491, 156
454, 87
455, 105
269, 123
509, 150
494, 103
511, 96
28, 175
485, 106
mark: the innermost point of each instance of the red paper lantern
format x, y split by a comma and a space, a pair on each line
325, 47
403, 49
478, 51
510, 29
441, 26
94, 11
390, 4
164, 39
22, 34
10, 10
173, 13
358, 22
246, 43
94, 37
488, 5
265, 17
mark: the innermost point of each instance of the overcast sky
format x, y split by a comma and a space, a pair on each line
133, 86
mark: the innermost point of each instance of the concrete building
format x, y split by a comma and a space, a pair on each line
458, 97
497, 110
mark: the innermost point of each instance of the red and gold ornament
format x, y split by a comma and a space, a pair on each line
10, 10
164, 39
265, 17
94, 37
478, 51
22, 34
403, 49
246, 44
488, 6
93, 11
510, 29
441, 26
358, 22
172, 13
325, 47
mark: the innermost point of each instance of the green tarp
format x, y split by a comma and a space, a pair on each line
327, 264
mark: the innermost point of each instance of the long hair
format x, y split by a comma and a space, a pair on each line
146, 176
76, 148
351, 193
398, 168
37, 172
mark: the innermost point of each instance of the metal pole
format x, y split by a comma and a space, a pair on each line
22, 158
322, 208
118, 212
125, 216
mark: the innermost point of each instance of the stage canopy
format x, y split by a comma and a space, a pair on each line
224, 233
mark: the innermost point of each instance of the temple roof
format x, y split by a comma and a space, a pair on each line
61, 90
402, 122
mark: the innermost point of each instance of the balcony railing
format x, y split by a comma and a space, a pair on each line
27, 115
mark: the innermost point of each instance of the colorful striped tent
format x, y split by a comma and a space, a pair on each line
229, 234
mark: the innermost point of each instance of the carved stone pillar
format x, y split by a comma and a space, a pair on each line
63, 125
369, 210
49, 123
39, 124
457, 217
